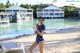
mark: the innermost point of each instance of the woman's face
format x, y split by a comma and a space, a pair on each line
41, 21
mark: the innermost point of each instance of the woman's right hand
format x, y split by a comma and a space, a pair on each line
35, 28
36, 25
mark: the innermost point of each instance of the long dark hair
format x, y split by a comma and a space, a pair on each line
41, 18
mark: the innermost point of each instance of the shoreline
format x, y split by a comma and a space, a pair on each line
62, 41
48, 31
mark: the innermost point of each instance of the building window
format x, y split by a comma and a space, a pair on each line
15, 11
45, 13
45, 10
9, 11
40, 14
47, 17
29, 15
56, 13
51, 10
29, 10
39, 10
22, 11
51, 13
44, 17
57, 10
61, 13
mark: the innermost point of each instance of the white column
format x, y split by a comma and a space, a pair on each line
12, 12
19, 11
32, 14
54, 13
49, 13
43, 12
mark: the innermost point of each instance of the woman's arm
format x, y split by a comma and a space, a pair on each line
40, 33
35, 30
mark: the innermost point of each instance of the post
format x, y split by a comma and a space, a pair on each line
23, 48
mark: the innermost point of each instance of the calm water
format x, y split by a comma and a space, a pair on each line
15, 29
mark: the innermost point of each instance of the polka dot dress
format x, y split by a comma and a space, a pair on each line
40, 38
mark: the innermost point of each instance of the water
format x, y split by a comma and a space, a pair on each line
26, 27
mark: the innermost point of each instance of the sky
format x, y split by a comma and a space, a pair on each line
59, 3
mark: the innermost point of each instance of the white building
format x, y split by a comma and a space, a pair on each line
50, 12
24, 13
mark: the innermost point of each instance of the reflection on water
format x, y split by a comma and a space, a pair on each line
25, 25
28, 25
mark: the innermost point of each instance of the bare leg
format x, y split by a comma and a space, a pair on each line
32, 47
41, 46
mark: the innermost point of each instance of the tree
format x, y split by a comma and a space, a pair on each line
69, 10
8, 4
2, 5
40, 6
25, 6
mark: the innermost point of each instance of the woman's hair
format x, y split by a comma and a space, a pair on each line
41, 18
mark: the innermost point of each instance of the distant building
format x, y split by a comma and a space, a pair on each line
50, 12
24, 13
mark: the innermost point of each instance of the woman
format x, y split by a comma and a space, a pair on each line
39, 30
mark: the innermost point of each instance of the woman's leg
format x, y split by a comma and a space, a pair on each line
41, 46
32, 47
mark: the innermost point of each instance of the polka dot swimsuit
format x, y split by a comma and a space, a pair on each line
40, 38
